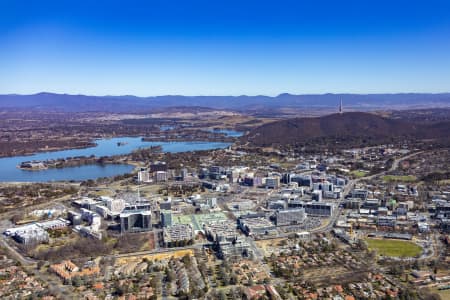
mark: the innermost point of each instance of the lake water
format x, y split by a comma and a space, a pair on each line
166, 127
105, 147
228, 132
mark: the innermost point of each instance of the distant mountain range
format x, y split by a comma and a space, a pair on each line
350, 128
82, 103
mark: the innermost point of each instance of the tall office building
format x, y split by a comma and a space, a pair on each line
136, 221
166, 218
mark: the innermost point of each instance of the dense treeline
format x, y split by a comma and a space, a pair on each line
14, 148
83, 247
36, 189
436, 176
88, 247
15, 196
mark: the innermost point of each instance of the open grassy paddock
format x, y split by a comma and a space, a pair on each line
394, 178
445, 294
394, 248
358, 173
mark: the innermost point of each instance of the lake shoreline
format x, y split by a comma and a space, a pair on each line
106, 159
53, 149
216, 136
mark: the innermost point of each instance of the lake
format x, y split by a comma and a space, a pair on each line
105, 147
228, 132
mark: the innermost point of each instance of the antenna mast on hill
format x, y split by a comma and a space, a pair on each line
139, 194
340, 107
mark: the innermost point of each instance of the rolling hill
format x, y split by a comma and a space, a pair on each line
83, 103
351, 126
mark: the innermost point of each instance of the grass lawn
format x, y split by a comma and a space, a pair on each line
394, 248
358, 173
407, 178
181, 219
445, 294
197, 220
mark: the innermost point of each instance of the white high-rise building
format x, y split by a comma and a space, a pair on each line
115, 205
144, 176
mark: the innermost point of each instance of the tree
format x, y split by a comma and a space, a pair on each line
233, 279
16, 217
119, 290
416, 265
40, 264
187, 260
156, 284
171, 276
77, 281
250, 282
362, 245
222, 295
396, 269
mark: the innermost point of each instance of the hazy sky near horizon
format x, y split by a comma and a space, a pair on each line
228, 47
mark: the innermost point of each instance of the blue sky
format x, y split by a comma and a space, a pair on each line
228, 47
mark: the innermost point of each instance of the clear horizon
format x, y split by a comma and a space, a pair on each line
152, 48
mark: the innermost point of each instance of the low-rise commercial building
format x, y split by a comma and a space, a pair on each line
273, 182
256, 225
235, 249
28, 234
178, 235
290, 217
360, 193
320, 209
